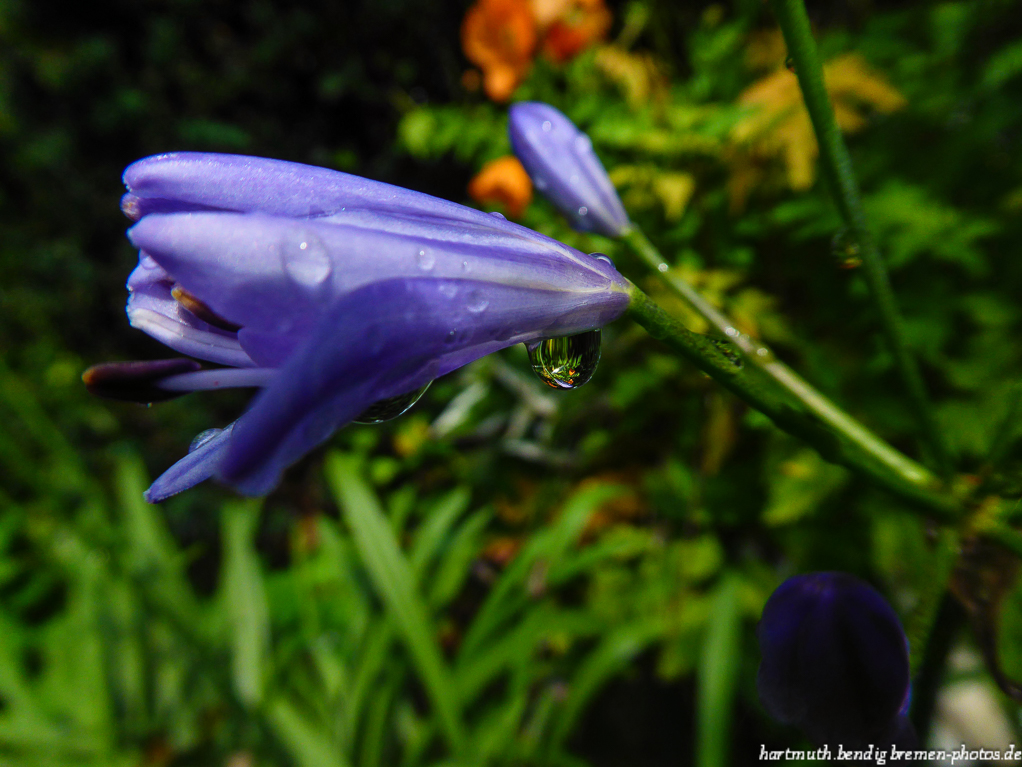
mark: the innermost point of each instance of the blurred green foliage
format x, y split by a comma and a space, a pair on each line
507, 574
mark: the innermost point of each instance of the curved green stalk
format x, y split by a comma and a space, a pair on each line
837, 169
910, 482
761, 355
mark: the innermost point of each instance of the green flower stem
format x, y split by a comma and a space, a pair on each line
915, 485
1004, 534
1006, 432
837, 169
761, 355
932, 591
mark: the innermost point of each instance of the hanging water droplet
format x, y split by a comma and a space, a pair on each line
845, 249
547, 126
202, 438
305, 260
390, 408
476, 302
789, 63
728, 351
426, 260
583, 211
566, 362
602, 257
498, 214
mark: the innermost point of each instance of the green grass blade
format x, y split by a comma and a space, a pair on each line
307, 743
615, 651
376, 648
245, 596
430, 536
392, 577
718, 675
550, 545
454, 567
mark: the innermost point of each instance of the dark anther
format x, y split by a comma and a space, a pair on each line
136, 381
200, 310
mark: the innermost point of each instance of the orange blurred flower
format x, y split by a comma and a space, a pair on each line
578, 24
504, 181
500, 36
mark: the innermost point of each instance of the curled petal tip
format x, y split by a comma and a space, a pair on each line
201, 462
560, 160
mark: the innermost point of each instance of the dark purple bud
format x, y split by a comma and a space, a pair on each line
834, 660
136, 381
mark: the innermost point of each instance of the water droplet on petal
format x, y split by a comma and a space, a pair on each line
566, 362
845, 250
583, 211
583, 144
390, 408
498, 214
202, 438
602, 257
306, 260
547, 126
426, 260
476, 302
464, 267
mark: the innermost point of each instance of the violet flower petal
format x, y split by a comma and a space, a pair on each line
560, 160
152, 309
834, 660
253, 270
385, 339
183, 181
199, 465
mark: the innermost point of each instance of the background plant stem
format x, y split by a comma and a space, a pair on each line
837, 170
763, 357
918, 486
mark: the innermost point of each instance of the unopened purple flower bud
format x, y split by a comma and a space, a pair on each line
328, 292
834, 661
560, 160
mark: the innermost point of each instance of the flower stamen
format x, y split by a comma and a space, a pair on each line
200, 310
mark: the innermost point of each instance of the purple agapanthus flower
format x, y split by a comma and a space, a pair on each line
835, 661
561, 163
327, 291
